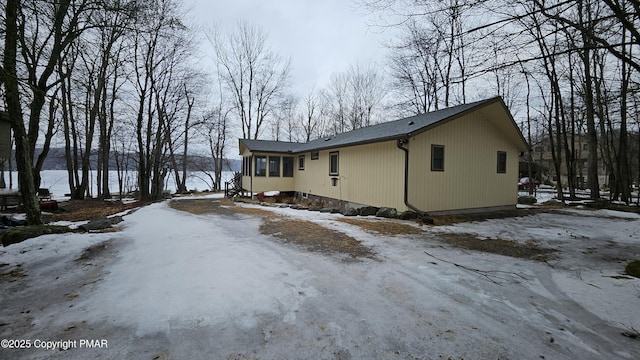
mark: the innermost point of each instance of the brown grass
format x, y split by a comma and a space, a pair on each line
386, 228
12, 275
202, 206
80, 210
309, 235
439, 220
530, 250
313, 237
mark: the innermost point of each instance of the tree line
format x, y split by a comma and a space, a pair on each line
567, 68
124, 77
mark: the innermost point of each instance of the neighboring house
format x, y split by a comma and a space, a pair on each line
543, 157
459, 159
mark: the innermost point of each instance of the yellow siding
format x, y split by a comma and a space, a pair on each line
373, 174
369, 174
470, 178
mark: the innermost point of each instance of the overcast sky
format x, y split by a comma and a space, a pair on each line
320, 36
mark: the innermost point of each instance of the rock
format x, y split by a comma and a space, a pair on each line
349, 211
22, 233
389, 213
368, 210
326, 210
426, 219
295, 207
408, 215
314, 208
96, 224
11, 222
527, 200
116, 220
633, 268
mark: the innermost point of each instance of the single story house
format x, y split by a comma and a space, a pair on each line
460, 159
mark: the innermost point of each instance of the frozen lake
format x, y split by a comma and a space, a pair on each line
56, 181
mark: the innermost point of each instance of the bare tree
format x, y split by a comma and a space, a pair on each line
353, 99
14, 109
217, 129
39, 32
310, 115
284, 124
161, 46
253, 74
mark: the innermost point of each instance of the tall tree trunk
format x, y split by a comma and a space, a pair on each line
624, 175
592, 135
24, 156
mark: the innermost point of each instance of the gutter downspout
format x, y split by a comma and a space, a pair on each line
423, 215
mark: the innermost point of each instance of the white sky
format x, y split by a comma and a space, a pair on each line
321, 37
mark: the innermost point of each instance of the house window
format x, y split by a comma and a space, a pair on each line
261, 166
502, 162
246, 166
315, 155
333, 163
437, 158
287, 166
274, 166
301, 162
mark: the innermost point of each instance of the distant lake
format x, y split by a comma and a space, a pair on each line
56, 181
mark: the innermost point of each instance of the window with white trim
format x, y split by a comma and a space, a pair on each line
333, 163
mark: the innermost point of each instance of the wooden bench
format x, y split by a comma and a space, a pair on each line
9, 200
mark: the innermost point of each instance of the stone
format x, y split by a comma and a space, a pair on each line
527, 200
633, 268
368, 210
408, 215
116, 220
21, 233
314, 208
426, 219
349, 211
11, 222
96, 224
389, 213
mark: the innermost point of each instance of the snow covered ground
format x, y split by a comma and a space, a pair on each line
173, 285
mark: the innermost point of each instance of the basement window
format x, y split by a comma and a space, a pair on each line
261, 166
437, 157
502, 162
333, 163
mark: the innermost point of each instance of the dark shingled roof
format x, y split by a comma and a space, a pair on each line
376, 133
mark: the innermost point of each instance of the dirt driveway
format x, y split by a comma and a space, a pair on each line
210, 279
